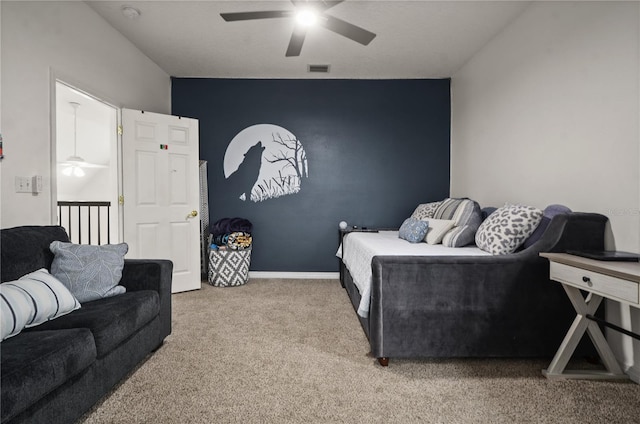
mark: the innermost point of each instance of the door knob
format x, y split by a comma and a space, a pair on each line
193, 214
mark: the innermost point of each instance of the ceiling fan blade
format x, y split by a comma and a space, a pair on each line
247, 16
320, 5
354, 32
83, 164
330, 3
92, 165
297, 39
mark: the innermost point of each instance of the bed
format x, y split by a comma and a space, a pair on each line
425, 300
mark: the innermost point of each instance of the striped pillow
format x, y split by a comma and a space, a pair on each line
466, 214
31, 300
437, 229
447, 208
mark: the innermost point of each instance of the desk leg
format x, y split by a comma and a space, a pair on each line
581, 324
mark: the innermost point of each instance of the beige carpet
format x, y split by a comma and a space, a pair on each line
293, 351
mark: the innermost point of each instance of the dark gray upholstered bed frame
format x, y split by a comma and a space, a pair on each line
474, 306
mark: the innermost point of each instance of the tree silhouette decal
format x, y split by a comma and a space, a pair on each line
294, 155
290, 154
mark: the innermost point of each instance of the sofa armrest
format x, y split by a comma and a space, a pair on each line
147, 274
151, 274
427, 305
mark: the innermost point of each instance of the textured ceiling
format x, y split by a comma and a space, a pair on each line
415, 39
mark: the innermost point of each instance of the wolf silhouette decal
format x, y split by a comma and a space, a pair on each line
264, 161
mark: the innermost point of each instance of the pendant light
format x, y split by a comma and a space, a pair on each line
74, 161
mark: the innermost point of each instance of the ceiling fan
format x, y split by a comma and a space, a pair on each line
307, 12
74, 164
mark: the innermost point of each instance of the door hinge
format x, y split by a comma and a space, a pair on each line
120, 130
121, 200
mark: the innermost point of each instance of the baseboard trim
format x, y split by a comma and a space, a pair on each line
295, 275
634, 374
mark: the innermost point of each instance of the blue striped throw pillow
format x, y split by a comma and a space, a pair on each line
31, 300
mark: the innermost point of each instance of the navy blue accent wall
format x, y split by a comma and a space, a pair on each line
375, 150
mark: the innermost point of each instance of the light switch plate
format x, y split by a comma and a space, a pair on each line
23, 184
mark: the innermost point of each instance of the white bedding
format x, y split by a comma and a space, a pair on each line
361, 247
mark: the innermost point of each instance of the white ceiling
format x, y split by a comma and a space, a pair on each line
415, 39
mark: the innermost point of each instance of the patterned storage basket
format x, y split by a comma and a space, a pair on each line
229, 267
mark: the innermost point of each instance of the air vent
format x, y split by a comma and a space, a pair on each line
319, 68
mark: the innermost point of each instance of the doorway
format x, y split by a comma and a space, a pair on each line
87, 176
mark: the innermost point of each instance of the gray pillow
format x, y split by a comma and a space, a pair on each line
89, 272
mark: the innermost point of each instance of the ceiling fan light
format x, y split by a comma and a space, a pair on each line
307, 17
77, 171
73, 171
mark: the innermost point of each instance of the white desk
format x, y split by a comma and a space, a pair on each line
618, 281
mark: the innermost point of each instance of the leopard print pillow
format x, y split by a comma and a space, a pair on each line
507, 228
425, 210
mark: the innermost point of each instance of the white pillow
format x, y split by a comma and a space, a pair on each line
437, 229
33, 299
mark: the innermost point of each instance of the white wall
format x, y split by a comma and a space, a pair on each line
548, 112
70, 41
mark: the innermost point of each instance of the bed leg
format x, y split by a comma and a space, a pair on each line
384, 361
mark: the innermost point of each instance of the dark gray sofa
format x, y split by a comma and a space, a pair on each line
475, 306
55, 372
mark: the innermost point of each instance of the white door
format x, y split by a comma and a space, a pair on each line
161, 192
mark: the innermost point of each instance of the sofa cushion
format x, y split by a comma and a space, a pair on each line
33, 299
547, 215
90, 272
26, 249
486, 211
36, 362
111, 320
